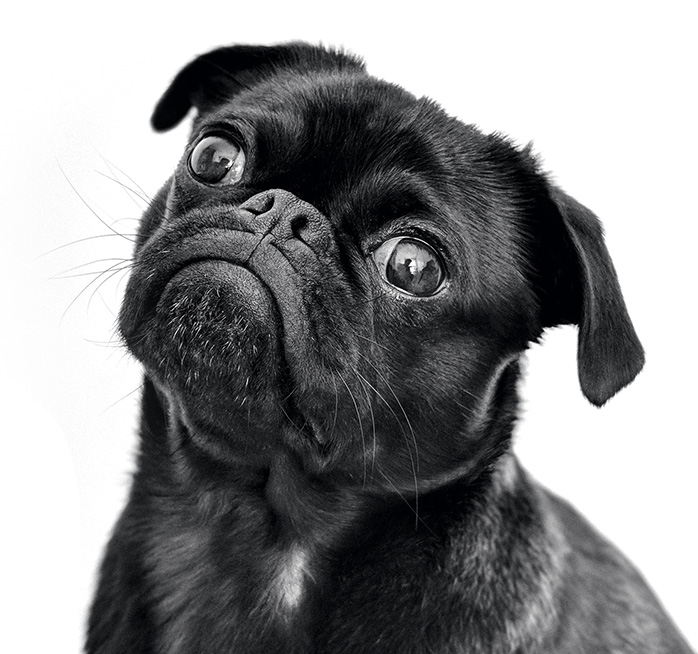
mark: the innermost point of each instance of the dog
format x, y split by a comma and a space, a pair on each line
330, 299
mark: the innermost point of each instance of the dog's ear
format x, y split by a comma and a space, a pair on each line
215, 77
581, 287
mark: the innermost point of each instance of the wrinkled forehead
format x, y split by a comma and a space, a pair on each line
334, 137
343, 103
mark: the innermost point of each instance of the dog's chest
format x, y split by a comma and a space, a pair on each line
213, 597
293, 571
284, 601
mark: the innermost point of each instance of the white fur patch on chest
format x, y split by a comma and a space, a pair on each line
291, 578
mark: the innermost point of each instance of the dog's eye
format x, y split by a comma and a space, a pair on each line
217, 160
411, 266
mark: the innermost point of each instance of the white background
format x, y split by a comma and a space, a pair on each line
607, 93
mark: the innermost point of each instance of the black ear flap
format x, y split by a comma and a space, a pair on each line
586, 292
216, 76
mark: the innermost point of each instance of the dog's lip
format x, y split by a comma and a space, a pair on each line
185, 265
154, 272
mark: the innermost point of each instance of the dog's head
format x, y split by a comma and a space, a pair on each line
342, 272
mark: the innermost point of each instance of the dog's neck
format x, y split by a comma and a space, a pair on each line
299, 534
302, 510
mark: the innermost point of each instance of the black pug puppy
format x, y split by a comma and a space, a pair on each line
330, 298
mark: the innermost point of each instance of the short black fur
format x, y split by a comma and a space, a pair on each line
325, 462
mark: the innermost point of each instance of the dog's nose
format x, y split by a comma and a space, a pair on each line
286, 217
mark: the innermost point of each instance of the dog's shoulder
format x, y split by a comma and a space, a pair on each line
605, 604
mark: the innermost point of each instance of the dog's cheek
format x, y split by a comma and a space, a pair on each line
436, 401
212, 340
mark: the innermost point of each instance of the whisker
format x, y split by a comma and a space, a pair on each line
121, 399
64, 275
160, 206
111, 343
82, 240
361, 426
364, 383
417, 519
125, 218
83, 274
414, 459
397, 399
281, 406
373, 341
129, 191
336, 408
116, 268
104, 281
115, 327
353, 307
141, 192
90, 208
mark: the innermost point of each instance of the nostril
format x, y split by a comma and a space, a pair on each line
299, 226
259, 204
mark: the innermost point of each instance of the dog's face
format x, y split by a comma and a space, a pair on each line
340, 272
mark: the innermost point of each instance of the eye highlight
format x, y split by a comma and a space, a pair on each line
410, 265
216, 160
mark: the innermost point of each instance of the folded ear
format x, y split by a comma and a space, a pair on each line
215, 77
582, 288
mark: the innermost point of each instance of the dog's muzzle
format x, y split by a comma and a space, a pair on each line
239, 306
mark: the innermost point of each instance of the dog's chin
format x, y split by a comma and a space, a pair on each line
212, 343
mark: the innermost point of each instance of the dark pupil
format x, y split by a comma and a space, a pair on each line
212, 159
414, 268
